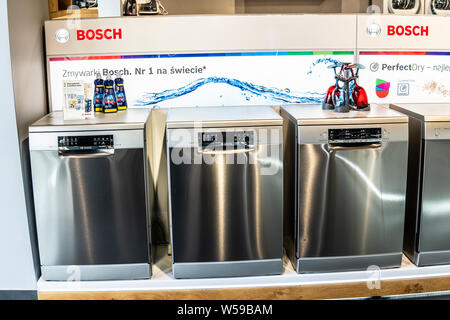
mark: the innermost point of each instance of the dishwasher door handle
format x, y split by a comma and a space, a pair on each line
231, 151
354, 146
100, 153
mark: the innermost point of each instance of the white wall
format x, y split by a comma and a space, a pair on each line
26, 21
17, 271
26, 27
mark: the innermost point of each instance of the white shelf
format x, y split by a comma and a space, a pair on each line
162, 279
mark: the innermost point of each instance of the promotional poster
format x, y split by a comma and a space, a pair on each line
214, 79
406, 77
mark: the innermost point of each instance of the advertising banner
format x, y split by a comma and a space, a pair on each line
406, 77
210, 79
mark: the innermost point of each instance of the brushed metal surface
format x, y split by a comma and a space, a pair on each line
227, 269
158, 177
319, 134
313, 114
436, 130
428, 112
435, 218
348, 263
123, 139
101, 272
130, 119
432, 258
90, 210
413, 189
227, 212
351, 200
427, 240
212, 117
290, 149
188, 138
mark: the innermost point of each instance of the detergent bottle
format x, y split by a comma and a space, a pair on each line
99, 91
120, 94
109, 101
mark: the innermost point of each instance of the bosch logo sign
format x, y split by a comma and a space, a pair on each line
373, 29
62, 35
99, 34
408, 31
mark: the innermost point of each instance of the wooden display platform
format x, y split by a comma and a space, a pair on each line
328, 291
408, 279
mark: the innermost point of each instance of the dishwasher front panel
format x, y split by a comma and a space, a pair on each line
224, 212
351, 199
435, 218
90, 209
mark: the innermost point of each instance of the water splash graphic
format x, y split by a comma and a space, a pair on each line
322, 61
273, 94
250, 90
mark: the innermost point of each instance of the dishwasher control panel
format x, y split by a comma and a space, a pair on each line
227, 140
85, 142
355, 135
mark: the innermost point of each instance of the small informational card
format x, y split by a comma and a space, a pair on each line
88, 105
74, 100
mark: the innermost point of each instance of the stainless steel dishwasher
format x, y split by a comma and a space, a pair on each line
90, 199
225, 176
427, 224
345, 185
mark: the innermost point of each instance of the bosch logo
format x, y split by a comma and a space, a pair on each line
408, 31
373, 29
99, 34
62, 35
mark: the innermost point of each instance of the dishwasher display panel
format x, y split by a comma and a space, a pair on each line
224, 140
357, 135
85, 142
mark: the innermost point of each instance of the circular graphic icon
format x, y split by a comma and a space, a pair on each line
374, 66
62, 35
373, 29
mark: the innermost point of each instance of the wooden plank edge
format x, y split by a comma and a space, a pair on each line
299, 292
82, 14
